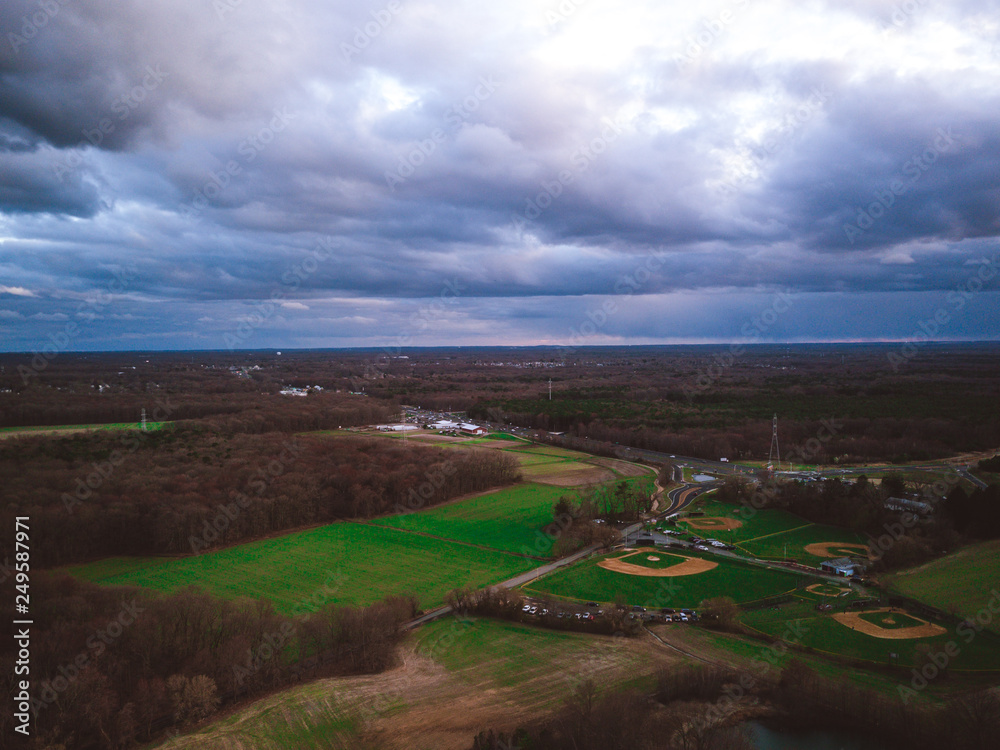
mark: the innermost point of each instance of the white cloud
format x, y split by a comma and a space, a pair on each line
17, 291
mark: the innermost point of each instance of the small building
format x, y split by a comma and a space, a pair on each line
841, 566
395, 427
903, 504
444, 424
471, 429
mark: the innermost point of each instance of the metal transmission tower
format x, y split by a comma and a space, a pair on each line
143, 420
550, 389
775, 454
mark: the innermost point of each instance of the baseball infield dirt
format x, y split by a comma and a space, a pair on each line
838, 549
713, 523
854, 622
691, 566
815, 588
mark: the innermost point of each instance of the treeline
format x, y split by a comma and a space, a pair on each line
112, 667
990, 464
699, 708
857, 441
975, 514
507, 604
242, 408
185, 490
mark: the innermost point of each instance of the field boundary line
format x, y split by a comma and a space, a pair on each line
453, 541
777, 533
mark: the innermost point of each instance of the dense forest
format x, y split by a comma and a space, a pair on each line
186, 489
112, 667
703, 401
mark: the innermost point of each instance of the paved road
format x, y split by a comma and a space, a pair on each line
974, 479
523, 578
680, 497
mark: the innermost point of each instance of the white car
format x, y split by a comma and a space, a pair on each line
702, 547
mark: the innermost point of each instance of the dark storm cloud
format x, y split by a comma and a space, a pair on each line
649, 154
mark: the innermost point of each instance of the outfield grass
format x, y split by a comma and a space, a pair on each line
824, 634
347, 563
765, 533
961, 583
795, 540
756, 524
510, 519
588, 581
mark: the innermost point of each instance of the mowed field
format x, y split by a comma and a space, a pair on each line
510, 519
478, 541
346, 563
963, 582
455, 677
770, 533
801, 622
587, 581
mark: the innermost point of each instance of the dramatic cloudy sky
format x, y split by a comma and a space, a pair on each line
215, 173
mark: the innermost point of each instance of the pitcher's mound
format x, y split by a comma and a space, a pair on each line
713, 523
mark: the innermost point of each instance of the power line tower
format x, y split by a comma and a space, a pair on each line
550, 389
774, 454
144, 420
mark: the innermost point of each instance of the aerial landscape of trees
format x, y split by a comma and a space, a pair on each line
188, 489
117, 666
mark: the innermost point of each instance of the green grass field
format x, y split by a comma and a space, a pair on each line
962, 583
347, 563
768, 533
588, 581
510, 519
824, 634
760, 523
795, 540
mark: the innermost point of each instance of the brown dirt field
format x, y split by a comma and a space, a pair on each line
815, 586
854, 622
712, 523
691, 566
434, 707
572, 477
622, 467
837, 549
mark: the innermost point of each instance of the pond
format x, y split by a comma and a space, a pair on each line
771, 738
